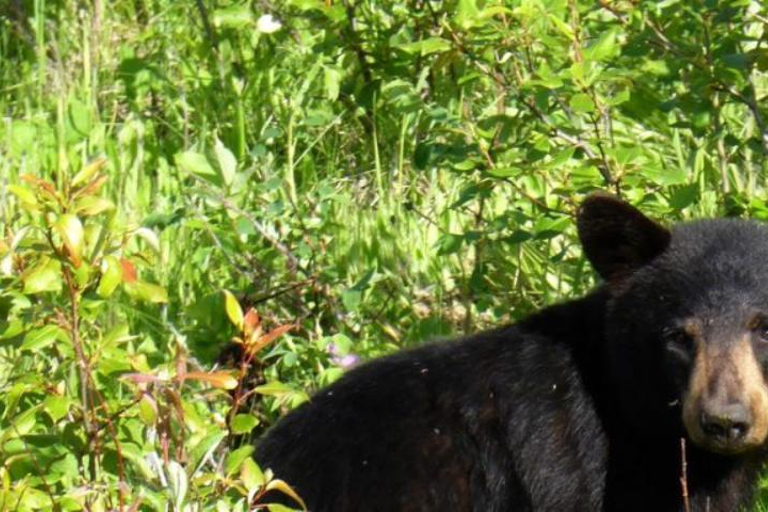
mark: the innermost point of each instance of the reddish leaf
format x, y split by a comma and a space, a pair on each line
141, 378
270, 337
94, 186
129, 271
34, 180
88, 171
223, 380
251, 325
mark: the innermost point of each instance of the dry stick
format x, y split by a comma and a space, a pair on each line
684, 476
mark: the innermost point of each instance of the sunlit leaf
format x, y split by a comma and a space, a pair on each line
149, 237
38, 339
236, 458
89, 206
251, 474
147, 292
234, 311
200, 453
46, 277
226, 160
427, 46
57, 406
70, 229
235, 16
26, 196
88, 172
223, 380
582, 104
179, 482
198, 165
243, 423
269, 338
128, 271
148, 410
111, 276
279, 485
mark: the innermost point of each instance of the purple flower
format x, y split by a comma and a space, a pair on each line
342, 360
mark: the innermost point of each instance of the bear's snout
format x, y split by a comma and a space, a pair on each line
726, 407
725, 423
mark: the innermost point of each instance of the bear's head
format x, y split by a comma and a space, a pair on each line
686, 326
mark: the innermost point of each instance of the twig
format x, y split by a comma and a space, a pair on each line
749, 102
207, 25
362, 57
684, 476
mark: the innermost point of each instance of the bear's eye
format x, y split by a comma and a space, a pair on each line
759, 326
679, 342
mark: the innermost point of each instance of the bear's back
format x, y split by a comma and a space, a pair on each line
497, 421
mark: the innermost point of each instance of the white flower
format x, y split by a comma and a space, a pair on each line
267, 24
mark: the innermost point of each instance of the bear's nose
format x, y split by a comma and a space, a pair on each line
726, 423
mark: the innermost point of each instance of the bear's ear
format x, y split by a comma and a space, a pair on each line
617, 238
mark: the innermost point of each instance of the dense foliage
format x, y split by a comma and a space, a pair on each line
366, 175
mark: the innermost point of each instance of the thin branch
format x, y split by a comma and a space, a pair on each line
209, 31
684, 476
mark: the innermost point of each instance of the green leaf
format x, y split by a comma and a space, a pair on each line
88, 172
351, 299
450, 244
280, 390
331, 79
89, 206
286, 489
548, 227
234, 311
134, 454
147, 292
46, 277
665, 176
504, 172
179, 484
197, 165
111, 276
562, 27
26, 196
21, 424
70, 229
148, 410
236, 16
236, 458
38, 339
203, 449
243, 423
227, 162
150, 237
57, 406
604, 48
582, 104
467, 14
32, 499
251, 475
427, 46
684, 196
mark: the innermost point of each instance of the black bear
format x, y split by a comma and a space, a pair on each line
648, 394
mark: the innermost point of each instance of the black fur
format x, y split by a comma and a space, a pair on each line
573, 409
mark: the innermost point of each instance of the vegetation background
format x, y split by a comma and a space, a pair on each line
366, 175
